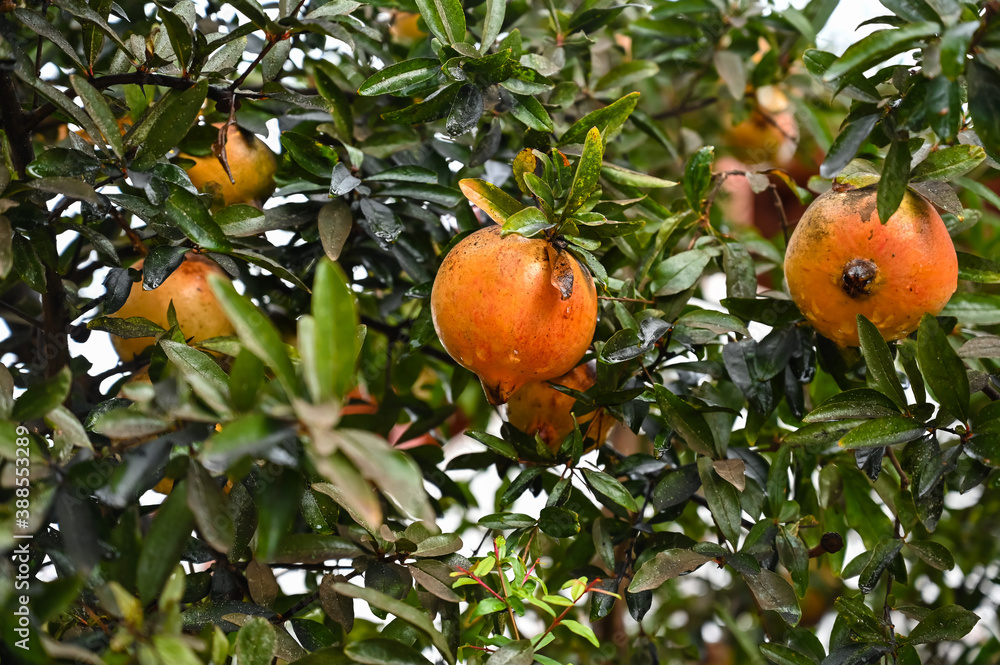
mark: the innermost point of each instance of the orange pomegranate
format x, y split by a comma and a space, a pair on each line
540, 408
197, 309
405, 27
513, 310
842, 261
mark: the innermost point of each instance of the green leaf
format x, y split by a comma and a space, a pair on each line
492, 23
881, 369
405, 612
255, 331
977, 269
878, 46
859, 617
855, 87
41, 398
394, 472
241, 220
168, 125
883, 432
854, 403
488, 605
164, 543
519, 652
609, 490
947, 623
773, 592
933, 554
686, 421
949, 163
895, 176
181, 37
255, 642
723, 501
382, 651
850, 139
126, 424
310, 154
278, 501
679, 272
434, 107
588, 172
187, 212
489, 198
466, 110
40, 25
401, 76
93, 38
627, 73
98, 109
583, 631
607, 119
666, 565
73, 188
528, 222
698, 177
623, 176
204, 375
445, 18
881, 558
944, 372
974, 308
210, 507
677, 486
530, 111
559, 522
955, 48
983, 91
719, 323
330, 362
782, 655
253, 11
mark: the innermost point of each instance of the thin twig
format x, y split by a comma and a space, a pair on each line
904, 480
780, 208
503, 589
684, 109
260, 56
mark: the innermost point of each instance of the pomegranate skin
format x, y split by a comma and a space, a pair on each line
842, 261
497, 312
538, 408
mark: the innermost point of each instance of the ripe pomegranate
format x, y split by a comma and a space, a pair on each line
513, 310
842, 261
197, 308
540, 408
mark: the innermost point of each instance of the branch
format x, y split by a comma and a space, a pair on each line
18, 133
684, 109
